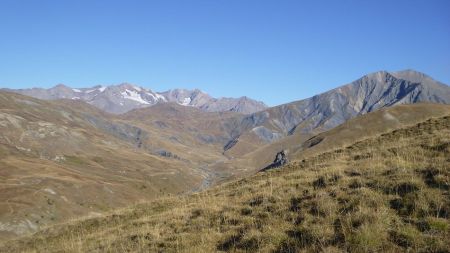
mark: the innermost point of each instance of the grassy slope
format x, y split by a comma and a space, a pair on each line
374, 123
383, 194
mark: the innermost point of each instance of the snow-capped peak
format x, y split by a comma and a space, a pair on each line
124, 97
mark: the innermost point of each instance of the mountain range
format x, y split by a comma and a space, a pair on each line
68, 152
125, 97
321, 112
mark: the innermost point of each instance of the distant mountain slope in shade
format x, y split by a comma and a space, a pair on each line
125, 97
330, 109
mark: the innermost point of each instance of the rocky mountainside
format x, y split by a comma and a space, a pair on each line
330, 109
125, 97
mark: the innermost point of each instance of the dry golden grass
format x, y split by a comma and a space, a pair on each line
384, 194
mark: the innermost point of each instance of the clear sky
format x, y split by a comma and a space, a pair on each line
275, 51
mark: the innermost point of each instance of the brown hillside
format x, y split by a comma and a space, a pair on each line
383, 194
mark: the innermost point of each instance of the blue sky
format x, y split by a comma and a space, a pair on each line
274, 51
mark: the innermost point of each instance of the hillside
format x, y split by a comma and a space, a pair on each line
386, 193
65, 159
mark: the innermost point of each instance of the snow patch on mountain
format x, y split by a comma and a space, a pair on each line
186, 101
114, 98
160, 97
133, 95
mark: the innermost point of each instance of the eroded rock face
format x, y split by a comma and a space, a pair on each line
281, 158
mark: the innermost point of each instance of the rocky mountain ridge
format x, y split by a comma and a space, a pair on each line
327, 110
125, 97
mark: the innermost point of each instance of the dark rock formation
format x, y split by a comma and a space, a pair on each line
167, 154
313, 141
230, 144
280, 160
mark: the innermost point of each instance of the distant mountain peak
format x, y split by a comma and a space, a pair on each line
61, 85
125, 96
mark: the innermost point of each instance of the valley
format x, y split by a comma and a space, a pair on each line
77, 173
387, 192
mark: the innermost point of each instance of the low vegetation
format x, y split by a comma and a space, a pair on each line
384, 194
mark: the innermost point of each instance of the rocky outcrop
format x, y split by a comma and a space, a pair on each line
230, 144
313, 141
280, 160
166, 153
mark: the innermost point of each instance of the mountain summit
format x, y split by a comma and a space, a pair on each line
125, 97
332, 108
